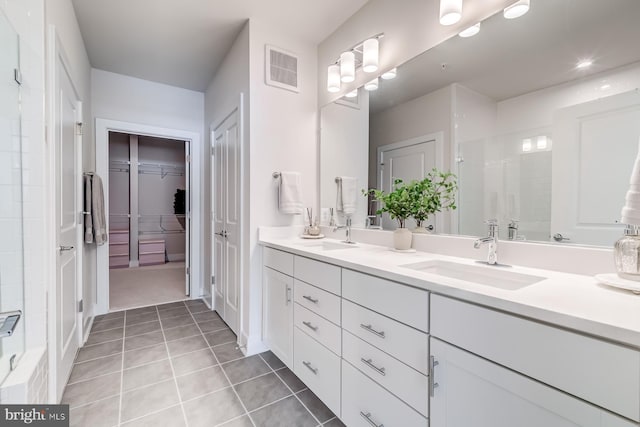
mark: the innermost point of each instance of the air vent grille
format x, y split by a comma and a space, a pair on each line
281, 69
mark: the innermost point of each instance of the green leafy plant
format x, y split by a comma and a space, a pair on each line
435, 193
396, 203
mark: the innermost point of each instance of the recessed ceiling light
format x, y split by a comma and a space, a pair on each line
372, 85
584, 64
352, 94
471, 31
450, 11
516, 10
391, 74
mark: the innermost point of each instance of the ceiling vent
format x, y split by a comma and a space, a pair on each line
281, 69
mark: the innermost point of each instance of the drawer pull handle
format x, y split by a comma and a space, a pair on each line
373, 331
308, 298
309, 367
310, 326
369, 363
367, 417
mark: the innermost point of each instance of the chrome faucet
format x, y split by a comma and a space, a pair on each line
370, 223
347, 228
513, 230
492, 240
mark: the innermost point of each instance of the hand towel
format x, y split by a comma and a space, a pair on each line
290, 193
631, 211
347, 197
88, 221
97, 211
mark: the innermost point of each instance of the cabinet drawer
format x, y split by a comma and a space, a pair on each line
315, 299
319, 328
119, 237
406, 383
117, 261
151, 246
599, 372
318, 368
278, 260
320, 274
151, 259
402, 342
116, 249
403, 303
365, 403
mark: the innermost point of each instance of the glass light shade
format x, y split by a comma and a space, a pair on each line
352, 94
450, 11
391, 74
526, 145
370, 52
372, 85
347, 67
541, 143
471, 31
333, 78
517, 9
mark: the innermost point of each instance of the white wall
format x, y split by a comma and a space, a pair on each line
427, 114
222, 95
344, 147
410, 27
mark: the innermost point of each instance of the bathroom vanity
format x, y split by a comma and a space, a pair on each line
424, 339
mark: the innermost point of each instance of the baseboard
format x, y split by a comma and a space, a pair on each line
88, 324
251, 345
176, 257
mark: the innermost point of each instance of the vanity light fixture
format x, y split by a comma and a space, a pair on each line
471, 31
333, 78
370, 53
391, 74
450, 11
347, 66
517, 9
372, 85
352, 94
526, 145
541, 142
585, 63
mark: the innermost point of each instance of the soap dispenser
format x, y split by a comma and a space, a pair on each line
626, 254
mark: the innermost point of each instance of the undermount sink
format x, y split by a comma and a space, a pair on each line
487, 276
328, 246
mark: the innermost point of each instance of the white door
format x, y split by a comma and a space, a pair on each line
277, 316
226, 219
68, 186
600, 136
409, 160
187, 217
471, 391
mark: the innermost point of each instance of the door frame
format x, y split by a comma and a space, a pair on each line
237, 108
103, 127
55, 50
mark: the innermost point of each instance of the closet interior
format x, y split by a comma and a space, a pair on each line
148, 226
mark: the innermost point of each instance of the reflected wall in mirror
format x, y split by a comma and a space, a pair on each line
539, 140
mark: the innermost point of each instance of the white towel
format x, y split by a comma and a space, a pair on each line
631, 211
290, 193
88, 220
97, 211
347, 197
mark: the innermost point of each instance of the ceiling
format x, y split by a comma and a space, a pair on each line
513, 57
182, 42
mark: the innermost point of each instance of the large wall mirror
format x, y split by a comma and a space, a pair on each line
539, 117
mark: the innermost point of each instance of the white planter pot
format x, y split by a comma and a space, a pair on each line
420, 230
402, 239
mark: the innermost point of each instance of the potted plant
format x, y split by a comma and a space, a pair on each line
397, 204
435, 193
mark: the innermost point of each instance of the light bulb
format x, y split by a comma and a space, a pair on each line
370, 52
333, 78
347, 67
450, 11
471, 31
517, 9
372, 85
391, 74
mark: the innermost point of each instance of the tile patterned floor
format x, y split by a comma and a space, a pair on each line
177, 365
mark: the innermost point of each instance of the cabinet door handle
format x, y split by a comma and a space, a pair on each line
432, 384
309, 367
310, 326
373, 331
369, 363
63, 248
367, 417
288, 295
308, 298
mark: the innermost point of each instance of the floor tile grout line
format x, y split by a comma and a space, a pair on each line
290, 389
71, 408
152, 413
224, 373
173, 372
122, 371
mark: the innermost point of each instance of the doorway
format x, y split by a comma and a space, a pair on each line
151, 256
148, 220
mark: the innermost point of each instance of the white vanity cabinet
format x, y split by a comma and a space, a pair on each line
505, 370
277, 307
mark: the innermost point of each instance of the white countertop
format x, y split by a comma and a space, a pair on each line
567, 300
